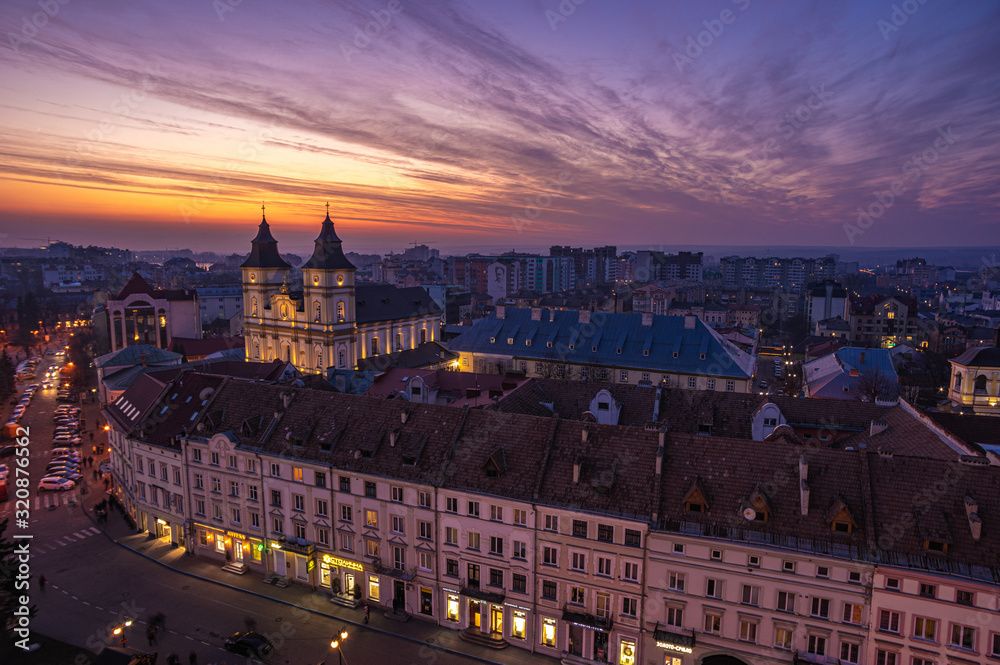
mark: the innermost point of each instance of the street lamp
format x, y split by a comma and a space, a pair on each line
337, 643
120, 630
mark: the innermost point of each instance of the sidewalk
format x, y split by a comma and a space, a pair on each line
297, 595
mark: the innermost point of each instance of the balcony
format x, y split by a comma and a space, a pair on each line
471, 589
297, 545
586, 620
390, 571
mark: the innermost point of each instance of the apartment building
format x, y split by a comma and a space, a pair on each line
592, 542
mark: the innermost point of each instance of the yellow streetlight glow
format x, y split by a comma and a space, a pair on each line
343, 634
334, 644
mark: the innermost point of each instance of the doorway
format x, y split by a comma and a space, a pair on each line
238, 550
575, 640
475, 619
398, 596
496, 620
349, 583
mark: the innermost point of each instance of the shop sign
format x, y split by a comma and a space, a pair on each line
341, 563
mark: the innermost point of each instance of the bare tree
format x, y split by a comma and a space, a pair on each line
874, 385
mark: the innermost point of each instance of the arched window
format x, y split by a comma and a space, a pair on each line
374, 346
958, 381
253, 307
288, 353
981, 384
340, 311
423, 335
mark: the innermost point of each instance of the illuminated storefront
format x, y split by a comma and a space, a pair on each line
675, 645
235, 547
452, 608
626, 651
518, 624
373, 588
549, 632
344, 571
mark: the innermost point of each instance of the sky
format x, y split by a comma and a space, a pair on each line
517, 123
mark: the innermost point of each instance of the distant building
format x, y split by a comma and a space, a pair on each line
826, 301
788, 274
606, 347
219, 302
140, 314
884, 321
653, 266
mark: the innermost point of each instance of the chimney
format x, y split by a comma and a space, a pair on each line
501, 311
647, 318
142, 359
976, 526
803, 485
877, 427
393, 436
286, 399
536, 313
971, 505
584, 433
689, 322
584, 316
576, 472
403, 415
659, 457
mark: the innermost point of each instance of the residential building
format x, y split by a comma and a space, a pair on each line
825, 301
884, 321
219, 302
851, 373
653, 266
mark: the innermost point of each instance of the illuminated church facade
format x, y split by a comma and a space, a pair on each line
329, 321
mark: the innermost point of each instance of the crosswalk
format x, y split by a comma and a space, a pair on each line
52, 500
68, 539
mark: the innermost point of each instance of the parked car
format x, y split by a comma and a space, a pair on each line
66, 439
68, 474
62, 451
248, 643
55, 484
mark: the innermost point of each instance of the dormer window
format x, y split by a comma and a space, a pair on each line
839, 516
572, 346
936, 546
493, 340
645, 352
696, 499
593, 349
675, 354
527, 342
619, 351
701, 356
548, 345
510, 340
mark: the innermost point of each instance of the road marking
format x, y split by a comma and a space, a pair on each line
60, 543
77, 534
68, 539
188, 637
95, 530
52, 549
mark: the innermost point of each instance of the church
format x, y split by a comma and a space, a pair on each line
328, 321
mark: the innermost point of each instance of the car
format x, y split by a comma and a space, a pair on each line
46, 384
248, 643
763, 384
68, 474
57, 469
63, 438
3, 471
56, 484
65, 451
67, 461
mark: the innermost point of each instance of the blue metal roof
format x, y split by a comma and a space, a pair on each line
621, 340
879, 359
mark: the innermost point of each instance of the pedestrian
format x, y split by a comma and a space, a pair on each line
193, 659
106, 482
173, 659
95, 474
92, 438
368, 609
151, 635
41, 583
90, 461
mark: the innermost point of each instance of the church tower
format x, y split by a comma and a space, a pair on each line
264, 274
329, 298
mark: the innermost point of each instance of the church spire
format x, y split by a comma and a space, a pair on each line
264, 248
328, 254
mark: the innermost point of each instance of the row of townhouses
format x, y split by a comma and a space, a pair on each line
575, 539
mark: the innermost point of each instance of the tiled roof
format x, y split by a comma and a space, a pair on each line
831, 375
137, 285
177, 407
132, 355
981, 430
452, 385
571, 399
424, 355
385, 302
133, 404
559, 336
199, 348
904, 434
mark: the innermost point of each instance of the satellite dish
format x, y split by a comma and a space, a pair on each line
750, 514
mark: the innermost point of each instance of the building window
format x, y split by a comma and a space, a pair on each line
963, 637
925, 629
713, 624
550, 556
748, 631
604, 566
730, 386
549, 590
374, 346
398, 524
450, 536
852, 613
234, 488
821, 608
195, 456
346, 513
424, 499
298, 503
451, 504
276, 498
580, 528
255, 520
633, 538
892, 583
710, 384
692, 382
605, 533
578, 561
473, 509
995, 644
300, 531
496, 578
786, 601
397, 494
369, 488
323, 537
713, 588
278, 525
520, 517
320, 479
964, 597
496, 513
371, 546
551, 523
232, 461
624, 376
346, 542
675, 616
549, 632
885, 657
849, 652
817, 645
473, 540
451, 567
783, 637
751, 595
345, 484
928, 590
215, 459
629, 606
888, 621
371, 518
275, 470
519, 583
496, 545
399, 558
520, 550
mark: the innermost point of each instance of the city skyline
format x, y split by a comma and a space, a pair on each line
533, 124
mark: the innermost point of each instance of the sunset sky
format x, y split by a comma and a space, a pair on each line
514, 123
